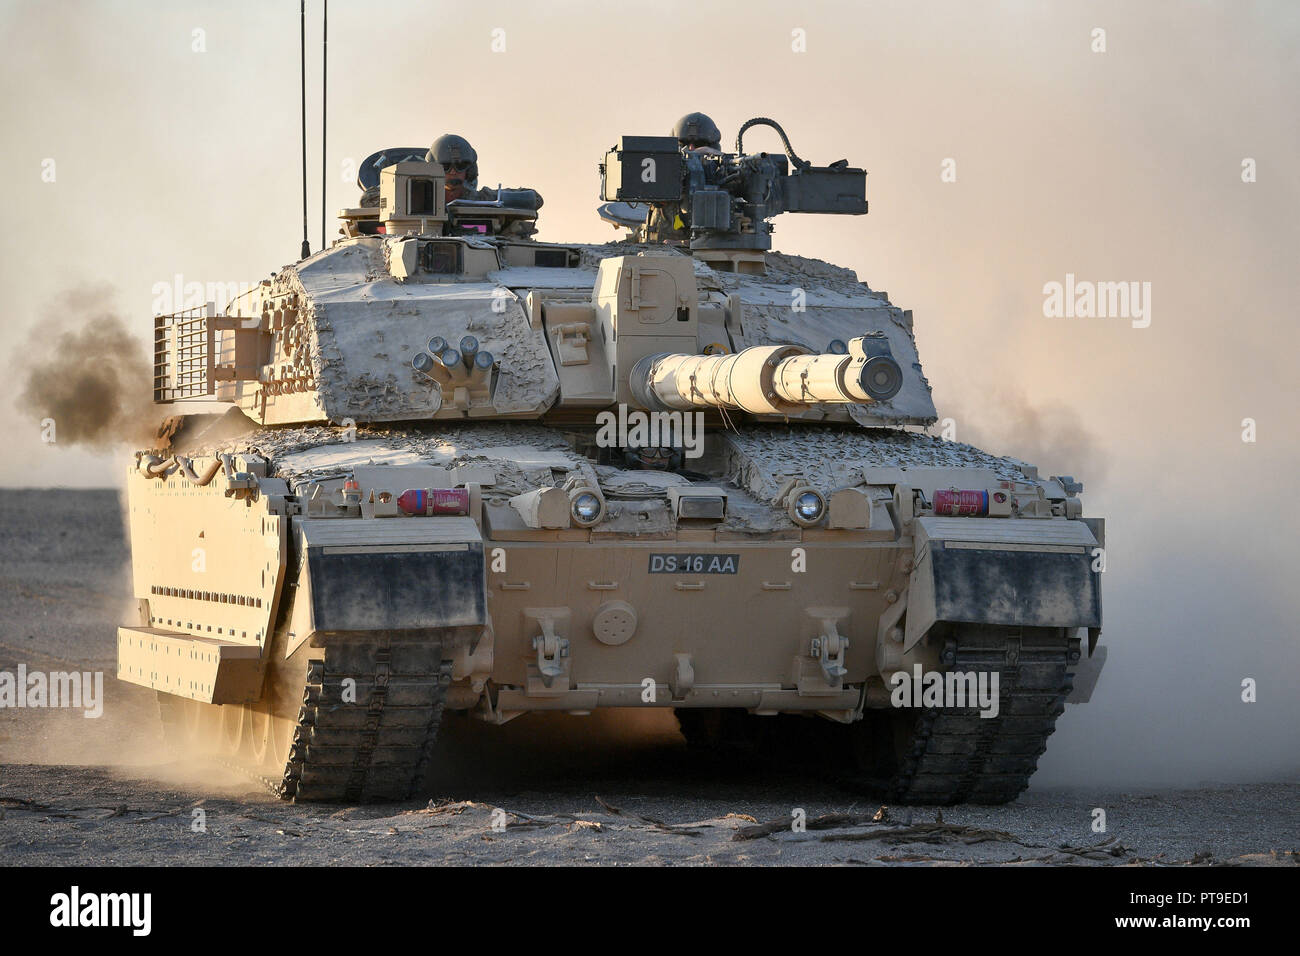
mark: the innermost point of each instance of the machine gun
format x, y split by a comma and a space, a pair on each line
719, 202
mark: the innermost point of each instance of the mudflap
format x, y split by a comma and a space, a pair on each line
388, 575
1003, 571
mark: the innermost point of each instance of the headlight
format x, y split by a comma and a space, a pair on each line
587, 508
807, 507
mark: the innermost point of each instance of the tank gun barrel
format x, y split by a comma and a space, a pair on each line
768, 379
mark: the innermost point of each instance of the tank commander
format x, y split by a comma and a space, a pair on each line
698, 131
695, 132
459, 162
460, 165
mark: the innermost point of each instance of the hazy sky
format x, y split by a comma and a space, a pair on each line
1122, 165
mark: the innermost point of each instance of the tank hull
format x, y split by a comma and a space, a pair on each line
347, 630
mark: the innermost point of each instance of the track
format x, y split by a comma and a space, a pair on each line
932, 755
955, 755
365, 729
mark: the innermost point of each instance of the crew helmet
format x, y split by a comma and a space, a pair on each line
450, 148
697, 129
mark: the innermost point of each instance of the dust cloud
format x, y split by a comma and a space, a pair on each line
1051, 435
84, 376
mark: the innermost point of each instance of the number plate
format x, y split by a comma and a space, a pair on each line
694, 563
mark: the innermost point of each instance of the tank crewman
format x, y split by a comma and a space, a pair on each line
695, 132
460, 165
698, 131
459, 161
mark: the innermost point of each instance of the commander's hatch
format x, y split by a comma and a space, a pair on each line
409, 199
512, 213
365, 218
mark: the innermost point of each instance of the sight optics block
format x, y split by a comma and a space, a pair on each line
642, 169
411, 196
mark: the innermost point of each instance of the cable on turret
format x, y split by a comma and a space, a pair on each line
764, 121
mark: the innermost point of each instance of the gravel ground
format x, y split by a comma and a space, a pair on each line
607, 789
668, 810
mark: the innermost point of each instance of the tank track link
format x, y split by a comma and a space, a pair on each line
957, 756
377, 746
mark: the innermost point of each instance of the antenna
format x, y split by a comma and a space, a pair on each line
324, 75
302, 59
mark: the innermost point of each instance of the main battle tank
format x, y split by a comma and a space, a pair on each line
463, 469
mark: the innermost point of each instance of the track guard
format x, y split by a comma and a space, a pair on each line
390, 575
1028, 572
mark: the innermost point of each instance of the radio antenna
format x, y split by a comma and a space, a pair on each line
324, 76
302, 59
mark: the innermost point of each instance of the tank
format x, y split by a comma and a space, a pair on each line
451, 467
